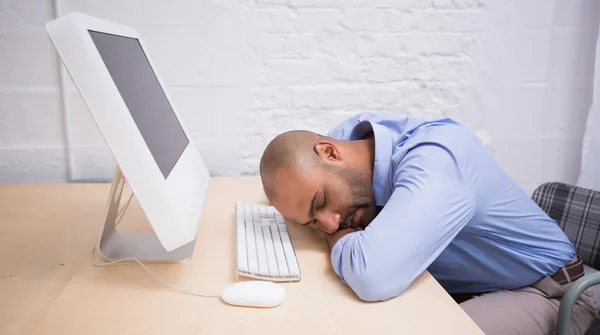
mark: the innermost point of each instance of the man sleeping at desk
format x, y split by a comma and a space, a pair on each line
397, 196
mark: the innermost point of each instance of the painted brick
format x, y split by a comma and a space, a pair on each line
458, 4
383, 97
446, 44
430, 21
125, 12
83, 130
435, 68
276, 3
94, 164
271, 98
30, 119
338, 45
27, 59
298, 72
302, 20
328, 97
32, 165
24, 14
446, 68
445, 93
380, 45
403, 5
350, 70
367, 20
382, 70
216, 113
169, 47
174, 13
213, 152
352, 98
271, 46
303, 45
239, 73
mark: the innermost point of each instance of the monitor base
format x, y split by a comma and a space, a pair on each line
146, 248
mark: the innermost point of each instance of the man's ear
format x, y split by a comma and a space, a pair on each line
327, 151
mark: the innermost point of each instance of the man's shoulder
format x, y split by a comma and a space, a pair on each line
344, 129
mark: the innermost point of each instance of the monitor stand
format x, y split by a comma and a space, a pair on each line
143, 247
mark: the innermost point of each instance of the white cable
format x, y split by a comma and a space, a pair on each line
56, 9
140, 263
152, 274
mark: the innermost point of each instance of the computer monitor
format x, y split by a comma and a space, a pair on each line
114, 74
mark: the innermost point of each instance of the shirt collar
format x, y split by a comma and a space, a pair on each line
382, 190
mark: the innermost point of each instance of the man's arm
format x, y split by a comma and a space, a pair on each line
427, 209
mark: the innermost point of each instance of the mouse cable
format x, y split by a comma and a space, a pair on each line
122, 212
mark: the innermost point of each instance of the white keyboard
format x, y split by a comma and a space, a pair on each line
264, 247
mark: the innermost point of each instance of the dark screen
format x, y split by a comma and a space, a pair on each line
130, 70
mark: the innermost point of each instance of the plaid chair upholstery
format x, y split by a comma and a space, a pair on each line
577, 211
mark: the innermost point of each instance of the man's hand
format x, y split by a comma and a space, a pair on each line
335, 236
332, 238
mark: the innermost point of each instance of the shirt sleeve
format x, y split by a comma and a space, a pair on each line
430, 204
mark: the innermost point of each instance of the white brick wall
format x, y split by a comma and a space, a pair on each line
242, 71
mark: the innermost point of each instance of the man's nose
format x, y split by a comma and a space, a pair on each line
330, 220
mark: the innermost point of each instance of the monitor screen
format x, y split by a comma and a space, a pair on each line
132, 74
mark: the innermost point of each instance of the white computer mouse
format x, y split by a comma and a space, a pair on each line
254, 293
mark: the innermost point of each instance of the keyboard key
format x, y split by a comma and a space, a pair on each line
270, 249
242, 257
255, 213
262, 210
279, 253
267, 222
290, 255
251, 247
260, 251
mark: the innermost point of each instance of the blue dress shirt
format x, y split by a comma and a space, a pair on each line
449, 208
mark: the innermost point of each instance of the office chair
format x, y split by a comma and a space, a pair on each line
577, 211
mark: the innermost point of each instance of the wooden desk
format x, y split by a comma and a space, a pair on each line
124, 299
46, 232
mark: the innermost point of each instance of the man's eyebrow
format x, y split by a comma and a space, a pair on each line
311, 211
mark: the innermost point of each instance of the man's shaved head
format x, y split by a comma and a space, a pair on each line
290, 150
318, 180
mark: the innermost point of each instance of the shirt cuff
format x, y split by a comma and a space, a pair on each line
336, 255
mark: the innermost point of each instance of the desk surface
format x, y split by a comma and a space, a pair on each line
62, 223
46, 232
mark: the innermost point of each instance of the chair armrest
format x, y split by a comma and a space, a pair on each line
570, 298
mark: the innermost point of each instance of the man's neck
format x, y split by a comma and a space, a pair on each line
364, 151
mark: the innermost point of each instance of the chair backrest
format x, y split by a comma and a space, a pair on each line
577, 211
